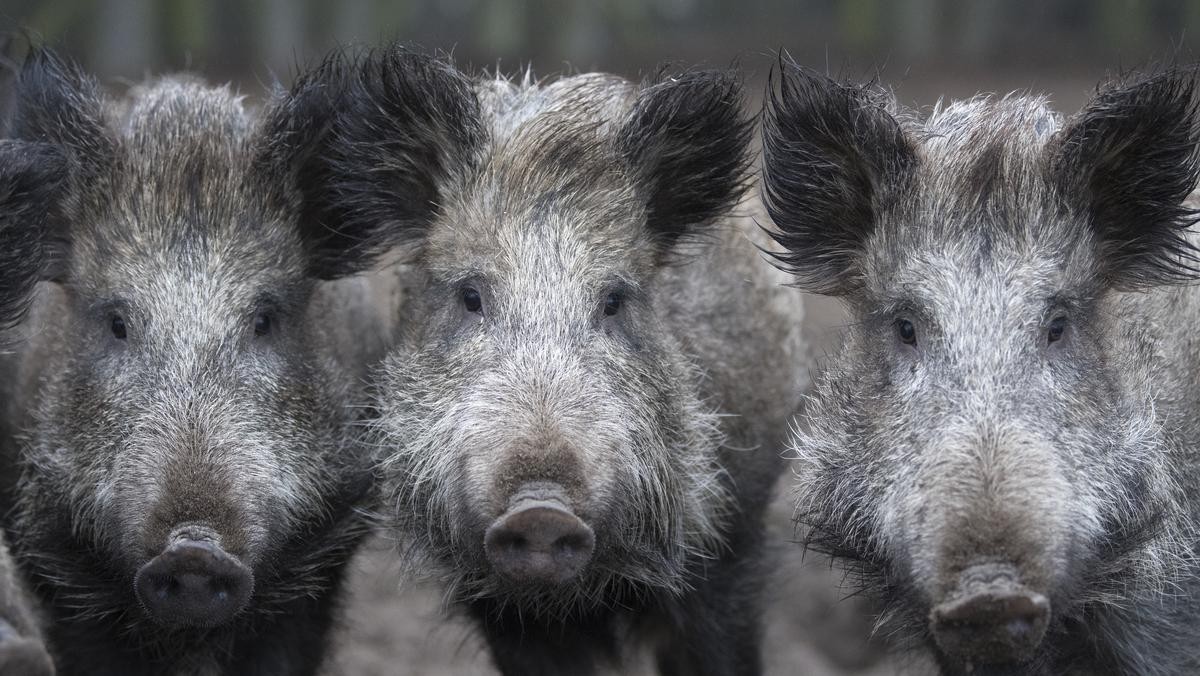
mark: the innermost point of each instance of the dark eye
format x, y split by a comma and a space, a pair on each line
906, 332
262, 324
612, 303
1054, 332
471, 299
118, 327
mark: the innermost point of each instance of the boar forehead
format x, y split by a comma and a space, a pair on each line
183, 201
980, 233
550, 195
522, 112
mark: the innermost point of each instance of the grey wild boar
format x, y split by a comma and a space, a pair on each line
28, 175
584, 422
190, 492
1005, 449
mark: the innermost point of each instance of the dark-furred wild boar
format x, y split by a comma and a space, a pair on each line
28, 176
584, 422
190, 493
1006, 446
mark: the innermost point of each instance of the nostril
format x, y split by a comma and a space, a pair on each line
1021, 629
165, 587
510, 540
539, 541
995, 620
571, 543
194, 583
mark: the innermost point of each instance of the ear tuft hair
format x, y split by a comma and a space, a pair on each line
832, 155
401, 123
29, 175
1128, 161
688, 144
57, 103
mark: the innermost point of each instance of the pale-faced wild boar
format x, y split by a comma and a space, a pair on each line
583, 424
189, 495
28, 176
1006, 446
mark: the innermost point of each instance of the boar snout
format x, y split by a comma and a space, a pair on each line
539, 539
194, 582
990, 617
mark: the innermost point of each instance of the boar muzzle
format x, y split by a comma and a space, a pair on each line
991, 617
539, 540
194, 582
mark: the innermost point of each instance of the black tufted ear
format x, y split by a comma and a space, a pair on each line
61, 147
58, 104
688, 145
1128, 161
30, 175
832, 156
397, 124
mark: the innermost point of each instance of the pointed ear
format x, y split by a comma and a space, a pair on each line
1127, 162
396, 127
833, 156
61, 144
58, 104
30, 174
688, 145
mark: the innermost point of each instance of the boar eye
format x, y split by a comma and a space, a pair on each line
612, 303
906, 332
471, 299
262, 324
1055, 331
117, 325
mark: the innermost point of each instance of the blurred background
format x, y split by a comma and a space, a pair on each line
925, 49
